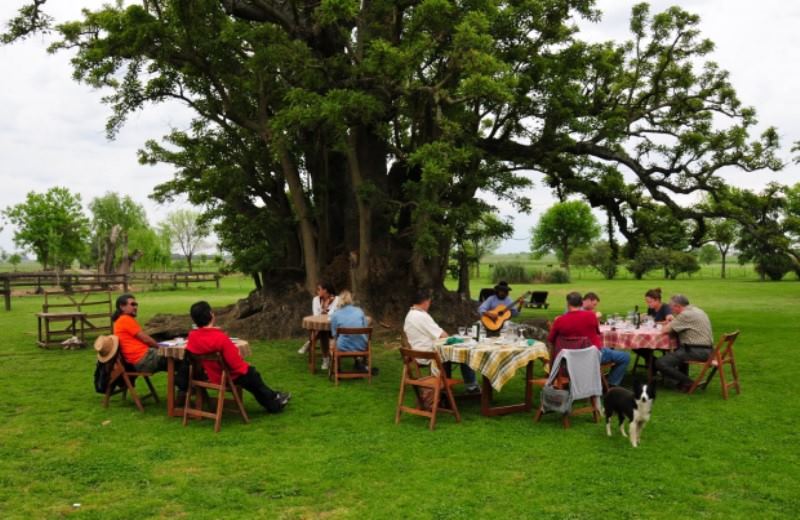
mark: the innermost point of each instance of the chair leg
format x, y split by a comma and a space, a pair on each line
699, 377
722, 378
220, 404
734, 373
402, 395
188, 396
369, 364
453, 405
238, 398
132, 390
152, 389
435, 407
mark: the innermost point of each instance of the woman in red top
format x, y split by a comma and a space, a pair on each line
208, 339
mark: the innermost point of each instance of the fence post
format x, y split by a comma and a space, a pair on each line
125, 284
7, 292
216, 279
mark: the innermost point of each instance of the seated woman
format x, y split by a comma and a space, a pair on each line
325, 302
659, 312
351, 317
655, 308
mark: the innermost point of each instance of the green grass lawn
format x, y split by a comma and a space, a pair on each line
336, 452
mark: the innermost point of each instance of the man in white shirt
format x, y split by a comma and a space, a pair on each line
422, 332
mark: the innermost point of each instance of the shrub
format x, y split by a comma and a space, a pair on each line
677, 262
775, 266
558, 276
646, 259
511, 273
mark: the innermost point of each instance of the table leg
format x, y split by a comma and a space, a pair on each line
172, 410
312, 351
486, 397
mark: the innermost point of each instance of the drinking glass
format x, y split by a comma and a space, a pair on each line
462, 331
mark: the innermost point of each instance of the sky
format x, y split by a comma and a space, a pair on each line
52, 132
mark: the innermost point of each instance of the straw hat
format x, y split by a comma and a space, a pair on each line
106, 347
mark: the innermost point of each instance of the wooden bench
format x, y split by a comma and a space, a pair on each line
84, 311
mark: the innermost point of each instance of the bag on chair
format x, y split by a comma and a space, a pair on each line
555, 400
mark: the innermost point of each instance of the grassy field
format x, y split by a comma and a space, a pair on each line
336, 452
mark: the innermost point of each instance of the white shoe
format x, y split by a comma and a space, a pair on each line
304, 348
326, 362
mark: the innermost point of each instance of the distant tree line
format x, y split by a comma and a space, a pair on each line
114, 236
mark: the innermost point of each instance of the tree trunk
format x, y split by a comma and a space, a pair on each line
463, 273
126, 264
724, 254
305, 221
189, 261
110, 252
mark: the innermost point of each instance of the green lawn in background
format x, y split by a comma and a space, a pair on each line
336, 452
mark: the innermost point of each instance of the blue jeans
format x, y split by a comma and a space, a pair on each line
620, 358
469, 375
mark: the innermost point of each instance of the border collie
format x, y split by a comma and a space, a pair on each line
636, 406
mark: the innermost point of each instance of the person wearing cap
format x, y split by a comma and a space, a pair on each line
500, 297
208, 339
139, 350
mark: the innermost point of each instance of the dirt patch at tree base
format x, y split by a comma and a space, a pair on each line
270, 316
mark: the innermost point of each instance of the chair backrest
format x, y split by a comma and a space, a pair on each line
726, 341
196, 360
485, 293
538, 297
570, 343
355, 331
584, 369
410, 360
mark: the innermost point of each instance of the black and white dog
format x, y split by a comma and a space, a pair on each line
636, 406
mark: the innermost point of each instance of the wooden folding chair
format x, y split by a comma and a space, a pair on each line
199, 385
561, 380
721, 355
421, 384
123, 380
336, 371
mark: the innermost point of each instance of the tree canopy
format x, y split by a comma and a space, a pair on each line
362, 135
51, 225
563, 228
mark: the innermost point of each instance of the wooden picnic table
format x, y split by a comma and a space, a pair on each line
497, 360
49, 337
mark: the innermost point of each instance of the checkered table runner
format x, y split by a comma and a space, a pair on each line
495, 360
635, 338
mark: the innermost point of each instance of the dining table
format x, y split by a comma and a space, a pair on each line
629, 337
497, 360
647, 338
176, 349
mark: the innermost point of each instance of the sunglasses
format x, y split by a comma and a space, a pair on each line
133, 304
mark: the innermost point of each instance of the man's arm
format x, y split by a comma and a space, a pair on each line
487, 305
147, 340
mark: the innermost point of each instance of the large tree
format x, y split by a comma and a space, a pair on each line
362, 133
52, 225
564, 228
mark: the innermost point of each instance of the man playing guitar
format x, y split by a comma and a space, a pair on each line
500, 298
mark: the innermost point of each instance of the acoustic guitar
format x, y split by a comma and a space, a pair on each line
494, 319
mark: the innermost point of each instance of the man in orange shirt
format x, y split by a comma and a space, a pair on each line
138, 349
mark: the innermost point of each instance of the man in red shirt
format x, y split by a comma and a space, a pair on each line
577, 322
208, 339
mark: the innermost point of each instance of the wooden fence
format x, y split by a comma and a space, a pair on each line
72, 281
